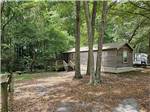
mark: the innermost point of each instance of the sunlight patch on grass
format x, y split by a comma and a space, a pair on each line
30, 76
24, 77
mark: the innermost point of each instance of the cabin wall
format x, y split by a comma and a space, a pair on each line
84, 57
120, 62
109, 58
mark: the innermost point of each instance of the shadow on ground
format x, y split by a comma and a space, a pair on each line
62, 94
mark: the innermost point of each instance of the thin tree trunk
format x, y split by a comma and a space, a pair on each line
100, 42
2, 36
135, 30
33, 61
149, 51
11, 91
93, 32
90, 41
77, 42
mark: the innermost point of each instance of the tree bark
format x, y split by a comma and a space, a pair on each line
4, 97
93, 32
77, 42
149, 51
100, 42
32, 61
11, 91
90, 41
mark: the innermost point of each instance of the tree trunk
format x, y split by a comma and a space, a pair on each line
90, 41
33, 61
100, 42
4, 97
2, 36
11, 91
149, 51
77, 42
93, 32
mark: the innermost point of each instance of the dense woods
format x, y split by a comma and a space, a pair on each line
35, 33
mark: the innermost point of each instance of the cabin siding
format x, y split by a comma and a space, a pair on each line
112, 58
109, 58
120, 62
83, 58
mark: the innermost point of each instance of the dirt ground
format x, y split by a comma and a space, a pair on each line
46, 94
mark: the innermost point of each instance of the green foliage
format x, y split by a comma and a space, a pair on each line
37, 26
49, 28
124, 19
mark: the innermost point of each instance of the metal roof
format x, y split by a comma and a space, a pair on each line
105, 47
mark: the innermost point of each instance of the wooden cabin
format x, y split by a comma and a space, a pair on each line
115, 56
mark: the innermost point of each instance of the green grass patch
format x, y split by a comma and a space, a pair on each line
30, 76
24, 77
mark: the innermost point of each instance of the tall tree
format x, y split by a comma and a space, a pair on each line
8, 15
100, 42
90, 41
149, 50
93, 17
77, 42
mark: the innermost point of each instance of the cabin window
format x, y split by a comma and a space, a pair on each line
125, 56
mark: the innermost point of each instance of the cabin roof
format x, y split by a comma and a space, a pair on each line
106, 46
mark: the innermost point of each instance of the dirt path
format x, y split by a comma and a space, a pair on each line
48, 94
30, 95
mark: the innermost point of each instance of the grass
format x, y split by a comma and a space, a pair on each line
30, 76
24, 77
